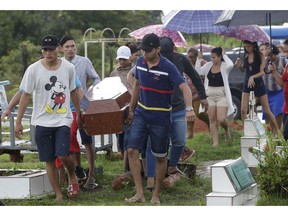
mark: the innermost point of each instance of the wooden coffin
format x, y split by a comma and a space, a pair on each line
109, 103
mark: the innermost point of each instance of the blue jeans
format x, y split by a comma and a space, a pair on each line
150, 161
178, 141
159, 136
178, 136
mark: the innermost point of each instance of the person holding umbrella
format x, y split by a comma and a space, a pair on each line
253, 65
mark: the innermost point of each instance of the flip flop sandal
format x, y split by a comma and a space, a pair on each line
135, 200
177, 171
150, 189
73, 190
90, 186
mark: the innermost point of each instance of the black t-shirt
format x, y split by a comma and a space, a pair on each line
184, 66
215, 79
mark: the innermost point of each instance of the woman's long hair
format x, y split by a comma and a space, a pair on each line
256, 52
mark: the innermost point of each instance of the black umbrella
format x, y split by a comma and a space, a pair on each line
251, 17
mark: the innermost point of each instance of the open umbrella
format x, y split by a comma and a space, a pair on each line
193, 21
247, 32
252, 17
159, 30
204, 47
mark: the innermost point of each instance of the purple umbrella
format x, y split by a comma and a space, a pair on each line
159, 30
251, 33
205, 47
193, 22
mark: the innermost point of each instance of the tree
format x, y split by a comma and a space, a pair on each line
16, 26
21, 30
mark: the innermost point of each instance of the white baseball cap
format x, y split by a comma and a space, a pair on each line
123, 52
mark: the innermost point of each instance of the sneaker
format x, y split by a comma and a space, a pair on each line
186, 155
80, 173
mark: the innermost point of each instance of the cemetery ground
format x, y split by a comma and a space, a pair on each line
186, 191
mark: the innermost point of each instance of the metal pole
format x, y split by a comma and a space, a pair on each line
85, 49
103, 60
251, 105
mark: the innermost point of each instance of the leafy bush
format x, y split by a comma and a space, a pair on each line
272, 175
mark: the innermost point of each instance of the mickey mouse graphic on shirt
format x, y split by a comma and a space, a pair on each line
58, 96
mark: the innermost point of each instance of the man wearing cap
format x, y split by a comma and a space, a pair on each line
150, 109
124, 65
122, 69
178, 127
52, 81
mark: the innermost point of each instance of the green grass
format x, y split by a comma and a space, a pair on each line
205, 152
186, 192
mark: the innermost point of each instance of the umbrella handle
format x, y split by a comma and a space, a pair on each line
200, 42
240, 49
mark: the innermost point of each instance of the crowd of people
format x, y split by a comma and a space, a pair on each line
168, 90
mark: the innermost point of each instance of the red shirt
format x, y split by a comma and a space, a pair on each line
285, 89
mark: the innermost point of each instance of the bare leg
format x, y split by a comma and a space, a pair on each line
135, 167
222, 119
91, 165
279, 120
264, 102
212, 112
52, 174
76, 158
150, 183
143, 162
70, 167
62, 176
161, 166
244, 106
126, 162
189, 131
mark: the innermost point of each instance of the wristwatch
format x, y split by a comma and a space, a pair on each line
189, 108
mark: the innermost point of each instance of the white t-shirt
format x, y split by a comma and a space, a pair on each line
51, 88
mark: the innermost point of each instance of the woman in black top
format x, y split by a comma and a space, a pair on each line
216, 84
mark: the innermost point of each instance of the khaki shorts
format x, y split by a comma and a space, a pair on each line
216, 96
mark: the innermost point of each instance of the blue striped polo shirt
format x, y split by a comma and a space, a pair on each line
156, 89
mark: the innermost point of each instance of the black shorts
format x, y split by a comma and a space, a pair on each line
52, 142
259, 89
